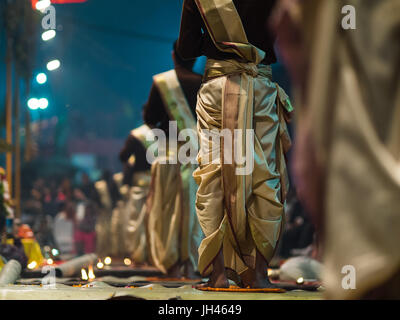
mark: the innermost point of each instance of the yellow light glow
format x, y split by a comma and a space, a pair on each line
32, 265
300, 280
84, 275
107, 261
127, 261
43, 4
100, 265
50, 261
91, 273
132, 160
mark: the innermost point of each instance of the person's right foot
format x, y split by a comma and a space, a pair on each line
216, 281
261, 281
258, 278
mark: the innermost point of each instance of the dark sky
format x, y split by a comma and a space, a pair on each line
109, 51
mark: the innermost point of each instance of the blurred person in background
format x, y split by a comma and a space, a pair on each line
298, 236
85, 224
87, 187
63, 230
32, 207
65, 191
11, 246
107, 195
49, 202
136, 181
174, 230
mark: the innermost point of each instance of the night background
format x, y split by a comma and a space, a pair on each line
109, 52
83, 209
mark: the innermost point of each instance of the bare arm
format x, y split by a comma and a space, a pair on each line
191, 34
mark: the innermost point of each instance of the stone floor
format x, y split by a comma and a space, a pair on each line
113, 287
102, 291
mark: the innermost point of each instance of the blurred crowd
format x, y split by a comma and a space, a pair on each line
63, 214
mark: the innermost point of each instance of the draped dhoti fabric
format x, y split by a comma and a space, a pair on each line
117, 224
241, 211
128, 223
103, 223
135, 220
117, 239
174, 232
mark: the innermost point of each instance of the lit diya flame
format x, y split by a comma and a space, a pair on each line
127, 261
32, 265
100, 265
84, 275
107, 261
50, 261
300, 280
91, 273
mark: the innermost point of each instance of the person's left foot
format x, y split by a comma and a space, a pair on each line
189, 271
261, 282
175, 271
258, 278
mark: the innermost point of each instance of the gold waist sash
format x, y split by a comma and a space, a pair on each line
219, 68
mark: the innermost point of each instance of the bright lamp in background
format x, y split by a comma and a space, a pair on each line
33, 104
34, 2
53, 65
42, 4
41, 78
43, 103
48, 35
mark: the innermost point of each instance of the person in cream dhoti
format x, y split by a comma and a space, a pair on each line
107, 196
174, 230
240, 204
131, 215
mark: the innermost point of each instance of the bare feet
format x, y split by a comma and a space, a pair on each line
175, 271
218, 278
261, 282
189, 271
258, 278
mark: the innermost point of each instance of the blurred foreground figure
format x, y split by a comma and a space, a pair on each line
136, 183
107, 197
174, 231
241, 213
348, 140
